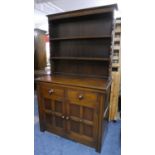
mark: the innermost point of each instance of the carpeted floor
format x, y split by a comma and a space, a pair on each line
46, 143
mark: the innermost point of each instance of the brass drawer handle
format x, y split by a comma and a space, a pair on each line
80, 97
62, 116
67, 118
51, 91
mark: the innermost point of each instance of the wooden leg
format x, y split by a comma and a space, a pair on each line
98, 149
114, 121
42, 128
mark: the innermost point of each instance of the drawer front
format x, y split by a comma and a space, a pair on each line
51, 91
81, 96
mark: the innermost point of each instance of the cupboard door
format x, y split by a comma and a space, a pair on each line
82, 122
54, 118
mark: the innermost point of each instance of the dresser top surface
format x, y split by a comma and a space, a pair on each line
100, 84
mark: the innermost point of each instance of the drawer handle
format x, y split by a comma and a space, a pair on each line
51, 91
80, 97
67, 118
62, 116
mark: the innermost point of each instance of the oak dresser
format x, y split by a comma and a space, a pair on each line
73, 101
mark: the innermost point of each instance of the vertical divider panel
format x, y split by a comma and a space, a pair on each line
81, 117
66, 109
53, 109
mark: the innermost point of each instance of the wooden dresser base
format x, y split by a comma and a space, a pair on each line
72, 111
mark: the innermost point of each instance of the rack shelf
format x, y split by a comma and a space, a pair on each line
80, 58
81, 37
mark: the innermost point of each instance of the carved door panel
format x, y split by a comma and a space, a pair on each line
54, 110
82, 121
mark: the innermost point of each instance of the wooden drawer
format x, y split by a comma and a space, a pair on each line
49, 91
83, 96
